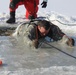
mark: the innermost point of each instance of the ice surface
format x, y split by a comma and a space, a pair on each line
21, 60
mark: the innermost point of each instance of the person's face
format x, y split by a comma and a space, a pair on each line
43, 31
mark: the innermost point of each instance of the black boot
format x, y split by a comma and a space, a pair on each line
12, 18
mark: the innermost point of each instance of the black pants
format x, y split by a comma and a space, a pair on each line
13, 3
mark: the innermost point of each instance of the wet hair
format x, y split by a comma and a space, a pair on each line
44, 23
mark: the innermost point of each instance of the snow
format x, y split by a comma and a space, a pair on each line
44, 71
66, 23
23, 61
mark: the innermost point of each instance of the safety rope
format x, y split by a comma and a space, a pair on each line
61, 22
60, 50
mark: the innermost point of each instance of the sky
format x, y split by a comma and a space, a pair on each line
66, 7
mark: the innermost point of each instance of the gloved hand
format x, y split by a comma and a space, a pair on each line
35, 43
44, 4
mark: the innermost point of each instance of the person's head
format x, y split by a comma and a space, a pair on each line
44, 27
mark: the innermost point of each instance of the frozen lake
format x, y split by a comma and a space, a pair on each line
19, 60
46, 60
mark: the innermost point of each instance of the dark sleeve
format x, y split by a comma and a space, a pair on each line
55, 33
32, 32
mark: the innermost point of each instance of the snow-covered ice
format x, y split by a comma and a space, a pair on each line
19, 60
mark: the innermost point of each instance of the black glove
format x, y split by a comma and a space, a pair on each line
44, 4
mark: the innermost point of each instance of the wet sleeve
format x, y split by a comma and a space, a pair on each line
32, 33
29, 35
56, 34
